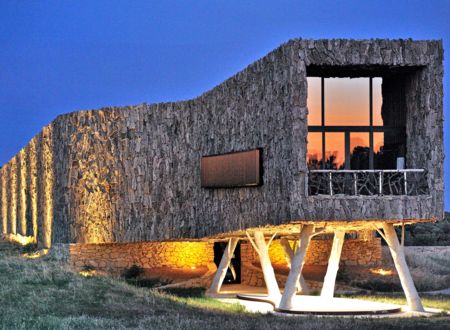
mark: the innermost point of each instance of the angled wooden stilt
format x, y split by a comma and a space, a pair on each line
333, 264
296, 267
289, 254
398, 255
262, 249
223, 266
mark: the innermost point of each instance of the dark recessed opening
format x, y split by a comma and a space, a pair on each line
233, 275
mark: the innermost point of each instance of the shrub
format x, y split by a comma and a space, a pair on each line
132, 272
87, 268
377, 285
428, 234
29, 248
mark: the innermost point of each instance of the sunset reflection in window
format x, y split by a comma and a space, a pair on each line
347, 127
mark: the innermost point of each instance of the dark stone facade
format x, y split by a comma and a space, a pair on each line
133, 173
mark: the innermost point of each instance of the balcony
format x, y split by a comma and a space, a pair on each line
407, 182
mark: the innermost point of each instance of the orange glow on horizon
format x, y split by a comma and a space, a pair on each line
346, 101
378, 141
377, 101
346, 104
335, 147
314, 152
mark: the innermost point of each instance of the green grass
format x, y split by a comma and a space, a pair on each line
44, 294
432, 301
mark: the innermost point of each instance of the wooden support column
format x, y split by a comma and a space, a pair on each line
398, 255
289, 253
223, 266
259, 243
333, 265
296, 267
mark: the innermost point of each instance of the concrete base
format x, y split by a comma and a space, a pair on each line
313, 305
338, 306
255, 300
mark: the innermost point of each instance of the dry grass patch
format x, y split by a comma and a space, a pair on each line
44, 294
430, 267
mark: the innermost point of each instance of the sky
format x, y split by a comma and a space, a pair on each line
63, 56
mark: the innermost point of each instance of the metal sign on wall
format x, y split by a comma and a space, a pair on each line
237, 169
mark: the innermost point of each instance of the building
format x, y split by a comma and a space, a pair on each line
319, 137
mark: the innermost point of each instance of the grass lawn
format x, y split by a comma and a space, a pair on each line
43, 294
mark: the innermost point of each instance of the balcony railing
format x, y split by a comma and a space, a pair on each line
411, 182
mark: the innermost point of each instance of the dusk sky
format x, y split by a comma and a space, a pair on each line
63, 56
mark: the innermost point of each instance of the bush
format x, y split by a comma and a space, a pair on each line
428, 234
29, 248
343, 275
377, 285
132, 272
87, 268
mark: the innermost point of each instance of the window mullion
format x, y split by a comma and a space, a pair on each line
347, 150
322, 83
371, 156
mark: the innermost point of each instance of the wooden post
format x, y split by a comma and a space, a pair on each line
333, 265
289, 253
296, 267
398, 255
273, 291
223, 266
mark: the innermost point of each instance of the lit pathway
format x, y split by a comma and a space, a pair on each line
308, 305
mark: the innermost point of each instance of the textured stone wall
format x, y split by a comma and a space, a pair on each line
116, 257
423, 63
185, 256
3, 198
355, 252
132, 173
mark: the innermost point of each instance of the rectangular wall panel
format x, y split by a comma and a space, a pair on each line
237, 169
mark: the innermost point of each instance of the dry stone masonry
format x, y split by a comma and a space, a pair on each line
355, 252
132, 174
114, 257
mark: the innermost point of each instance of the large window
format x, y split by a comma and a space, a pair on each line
346, 128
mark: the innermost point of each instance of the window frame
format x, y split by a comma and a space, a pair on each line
347, 130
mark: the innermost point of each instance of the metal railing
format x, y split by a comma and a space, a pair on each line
410, 182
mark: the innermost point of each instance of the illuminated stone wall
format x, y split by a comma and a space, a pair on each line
183, 256
355, 252
27, 184
130, 174
22, 209
32, 184
12, 194
4, 199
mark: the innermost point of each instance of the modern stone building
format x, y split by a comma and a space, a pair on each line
318, 139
